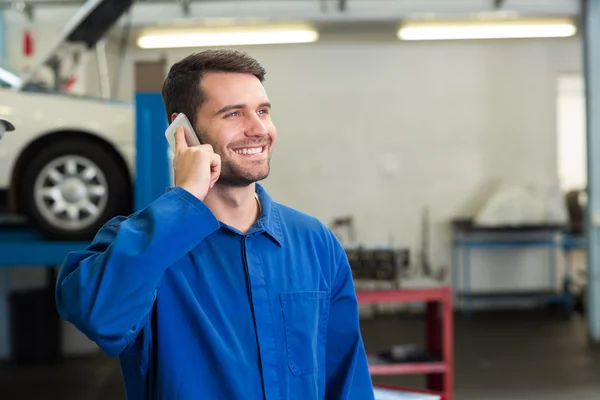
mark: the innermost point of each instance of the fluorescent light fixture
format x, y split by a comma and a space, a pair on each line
227, 38
510, 29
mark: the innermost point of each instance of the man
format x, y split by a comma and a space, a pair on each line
215, 291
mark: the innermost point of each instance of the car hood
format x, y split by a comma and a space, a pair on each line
76, 100
46, 112
40, 89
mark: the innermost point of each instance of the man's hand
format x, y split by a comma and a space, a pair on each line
197, 168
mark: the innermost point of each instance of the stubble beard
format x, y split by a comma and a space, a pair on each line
235, 175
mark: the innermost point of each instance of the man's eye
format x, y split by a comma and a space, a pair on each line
265, 111
233, 114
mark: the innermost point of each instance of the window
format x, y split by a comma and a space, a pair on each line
571, 134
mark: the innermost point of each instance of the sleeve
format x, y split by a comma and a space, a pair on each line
108, 289
347, 370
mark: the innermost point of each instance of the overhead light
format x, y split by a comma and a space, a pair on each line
204, 38
509, 29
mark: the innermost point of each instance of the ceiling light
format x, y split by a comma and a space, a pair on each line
486, 30
227, 38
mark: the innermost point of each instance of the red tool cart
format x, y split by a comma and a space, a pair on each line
438, 331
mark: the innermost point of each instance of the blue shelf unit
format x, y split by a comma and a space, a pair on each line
556, 239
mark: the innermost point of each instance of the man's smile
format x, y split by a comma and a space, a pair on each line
251, 150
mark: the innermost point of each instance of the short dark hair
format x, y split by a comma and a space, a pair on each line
181, 89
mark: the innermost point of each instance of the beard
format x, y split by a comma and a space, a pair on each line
235, 174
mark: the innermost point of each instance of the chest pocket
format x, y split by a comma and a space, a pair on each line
305, 317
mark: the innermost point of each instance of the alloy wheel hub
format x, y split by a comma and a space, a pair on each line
71, 192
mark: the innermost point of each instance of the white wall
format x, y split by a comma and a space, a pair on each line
381, 129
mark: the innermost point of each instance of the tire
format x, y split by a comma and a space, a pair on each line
72, 187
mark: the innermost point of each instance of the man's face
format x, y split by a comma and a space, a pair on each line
235, 119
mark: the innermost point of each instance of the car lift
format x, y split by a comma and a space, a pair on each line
21, 246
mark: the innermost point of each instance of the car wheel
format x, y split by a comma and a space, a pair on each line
71, 188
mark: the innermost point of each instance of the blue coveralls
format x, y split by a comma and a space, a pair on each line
195, 309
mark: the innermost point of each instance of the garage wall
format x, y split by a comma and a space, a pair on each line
380, 129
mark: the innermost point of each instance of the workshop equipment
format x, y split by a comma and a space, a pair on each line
468, 237
439, 342
378, 264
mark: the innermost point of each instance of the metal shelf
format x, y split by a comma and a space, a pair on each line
555, 239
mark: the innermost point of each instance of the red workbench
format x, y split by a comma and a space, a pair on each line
438, 333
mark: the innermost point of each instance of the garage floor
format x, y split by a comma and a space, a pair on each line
528, 355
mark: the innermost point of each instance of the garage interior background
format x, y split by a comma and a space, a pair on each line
423, 124
385, 130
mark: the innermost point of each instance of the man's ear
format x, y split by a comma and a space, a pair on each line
173, 116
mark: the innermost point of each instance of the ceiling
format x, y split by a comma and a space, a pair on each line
157, 12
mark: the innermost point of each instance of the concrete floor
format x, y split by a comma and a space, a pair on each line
525, 355
510, 355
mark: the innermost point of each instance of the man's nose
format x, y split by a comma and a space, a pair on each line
256, 126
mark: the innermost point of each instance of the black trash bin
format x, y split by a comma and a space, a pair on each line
35, 327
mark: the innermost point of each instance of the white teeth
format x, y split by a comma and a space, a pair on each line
254, 150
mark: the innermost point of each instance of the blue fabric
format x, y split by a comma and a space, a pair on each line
197, 310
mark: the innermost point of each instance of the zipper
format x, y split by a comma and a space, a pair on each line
249, 290
248, 281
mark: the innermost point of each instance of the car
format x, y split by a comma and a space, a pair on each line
68, 166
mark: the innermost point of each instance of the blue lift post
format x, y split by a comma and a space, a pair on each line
591, 51
152, 155
152, 160
23, 247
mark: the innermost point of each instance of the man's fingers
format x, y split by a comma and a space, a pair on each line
215, 163
180, 142
206, 147
215, 169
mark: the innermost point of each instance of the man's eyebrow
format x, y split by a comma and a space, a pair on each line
232, 107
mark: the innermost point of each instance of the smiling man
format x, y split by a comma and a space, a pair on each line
216, 291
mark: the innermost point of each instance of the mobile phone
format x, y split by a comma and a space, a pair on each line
190, 135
